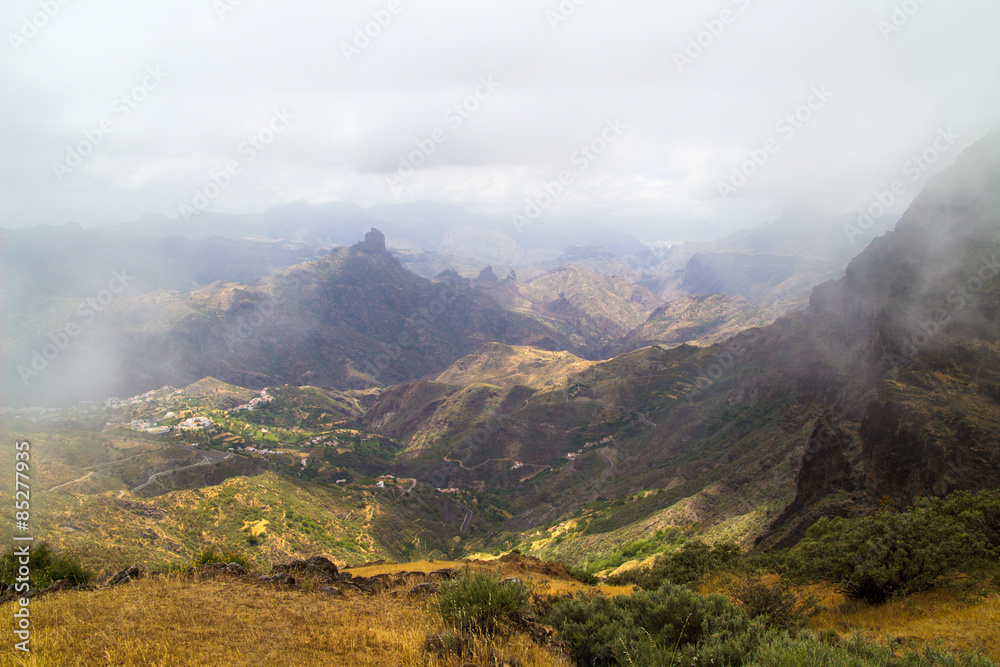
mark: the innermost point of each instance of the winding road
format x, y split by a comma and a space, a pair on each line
468, 519
206, 460
642, 417
611, 464
72, 482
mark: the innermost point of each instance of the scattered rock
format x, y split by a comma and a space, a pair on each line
60, 585
318, 566
281, 578
237, 569
427, 587
333, 590
443, 573
128, 574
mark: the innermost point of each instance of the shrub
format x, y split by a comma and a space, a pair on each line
478, 602
673, 626
582, 575
776, 605
210, 555
687, 565
46, 567
669, 626
890, 553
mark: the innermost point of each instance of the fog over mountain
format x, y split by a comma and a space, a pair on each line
500, 332
667, 120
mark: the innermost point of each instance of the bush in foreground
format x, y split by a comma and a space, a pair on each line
480, 603
807, 650
668, 626
674, 626
876, 557
777, 605
46, 567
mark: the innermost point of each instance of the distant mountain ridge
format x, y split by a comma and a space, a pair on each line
887, 385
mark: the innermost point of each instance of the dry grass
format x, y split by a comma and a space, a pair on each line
959, 623
177, 621
966, 622
551, 585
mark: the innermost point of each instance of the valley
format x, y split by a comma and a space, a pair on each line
496, 417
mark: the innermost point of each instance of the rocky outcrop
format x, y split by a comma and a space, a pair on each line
126, 575
316, 566
825, 468
374, 243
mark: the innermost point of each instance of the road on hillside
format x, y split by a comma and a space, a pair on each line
468, 519
412, 482
73, 482
611, 464
206, 460
642, 417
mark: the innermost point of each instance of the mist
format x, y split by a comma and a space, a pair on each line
203, 156
670, 120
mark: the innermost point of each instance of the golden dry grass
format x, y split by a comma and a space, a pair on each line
548, 584
176, 621
958, 622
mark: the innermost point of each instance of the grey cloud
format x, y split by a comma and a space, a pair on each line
688, 127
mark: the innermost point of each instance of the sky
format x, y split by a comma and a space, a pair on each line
657, 114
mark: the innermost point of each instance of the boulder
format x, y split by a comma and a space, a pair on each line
128, 574
60, 585
443, 573
425, 588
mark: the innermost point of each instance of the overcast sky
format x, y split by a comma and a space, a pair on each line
670, 97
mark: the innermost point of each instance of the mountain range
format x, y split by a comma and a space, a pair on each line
567, 414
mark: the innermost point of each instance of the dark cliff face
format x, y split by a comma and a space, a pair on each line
914, 328
825, 468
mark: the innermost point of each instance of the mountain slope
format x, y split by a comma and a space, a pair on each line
886, 385
590, 309
700, 320
350, 319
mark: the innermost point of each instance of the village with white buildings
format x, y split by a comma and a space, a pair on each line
254, 403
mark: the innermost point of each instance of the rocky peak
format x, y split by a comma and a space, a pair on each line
487, 276
374, 243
